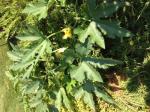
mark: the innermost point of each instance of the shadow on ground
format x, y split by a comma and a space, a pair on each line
141, 78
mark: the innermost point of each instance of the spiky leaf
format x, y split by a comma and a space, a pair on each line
85, 71
38, 9
102, 10
58, 101
103, 63
102, 94
94, 35
30, 34
88, 99
112, 29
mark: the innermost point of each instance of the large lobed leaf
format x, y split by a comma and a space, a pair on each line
94, 35
38, 9
85, 71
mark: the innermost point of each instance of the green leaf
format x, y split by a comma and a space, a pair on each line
88, 99
13, 56
84, 48
85, 71
66, 101
102, 94
62, 2
58, 101
103, 63
79, 93
86, 95
20, 66
42, 107
112, 29
28, 72
38, 9
35, 103
102, 10
94, 35
62, 97
30, 54
30, 34
31, 87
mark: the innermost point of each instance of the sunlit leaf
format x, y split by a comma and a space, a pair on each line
102, 94
103, 63
85, 71
94, 35
88, 99
58, 101
66, 101
38, 9
30, 34
31, 87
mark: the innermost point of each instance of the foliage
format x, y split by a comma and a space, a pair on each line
10, 17
54, 62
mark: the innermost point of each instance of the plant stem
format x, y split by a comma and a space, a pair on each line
53, 34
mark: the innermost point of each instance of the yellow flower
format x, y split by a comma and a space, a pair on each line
67, 33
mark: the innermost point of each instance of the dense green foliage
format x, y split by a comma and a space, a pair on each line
58, 60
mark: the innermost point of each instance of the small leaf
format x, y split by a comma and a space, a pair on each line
58, 101
62, 2
35, 103
13, 56
31, 87
79, 93
85, 71
84, 48
102, 94
88, 99
66, 101
42, 107
28, 72
9, 75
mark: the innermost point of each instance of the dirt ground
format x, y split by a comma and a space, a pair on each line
9, 101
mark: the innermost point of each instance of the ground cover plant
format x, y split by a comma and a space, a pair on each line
59, 49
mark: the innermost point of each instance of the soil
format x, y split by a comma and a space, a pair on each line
9, 100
